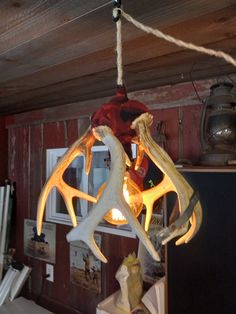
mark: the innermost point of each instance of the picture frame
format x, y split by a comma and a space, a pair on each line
85, 268
41, 247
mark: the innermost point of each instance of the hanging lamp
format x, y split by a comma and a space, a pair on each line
118, 124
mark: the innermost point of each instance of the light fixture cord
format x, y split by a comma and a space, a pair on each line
119, 52
178, 42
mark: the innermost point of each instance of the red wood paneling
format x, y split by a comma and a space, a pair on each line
191, 132
54, 135
3, 151
19, 173
72, 131
170, 120
36, 167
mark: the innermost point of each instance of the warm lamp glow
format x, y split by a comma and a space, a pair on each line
116, 215
121, 196
133, 197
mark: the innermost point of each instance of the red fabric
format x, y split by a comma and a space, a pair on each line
118, 114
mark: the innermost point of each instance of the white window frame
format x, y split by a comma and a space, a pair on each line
52, 215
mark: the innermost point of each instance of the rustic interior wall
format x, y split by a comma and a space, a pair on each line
29, 137
3, 150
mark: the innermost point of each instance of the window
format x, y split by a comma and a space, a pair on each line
75, 176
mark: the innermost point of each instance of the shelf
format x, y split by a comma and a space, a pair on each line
107, 306
206, 168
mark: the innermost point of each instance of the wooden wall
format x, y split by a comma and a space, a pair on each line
28, 141
202, 273
3, 150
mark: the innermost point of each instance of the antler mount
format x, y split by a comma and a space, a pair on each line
117, 124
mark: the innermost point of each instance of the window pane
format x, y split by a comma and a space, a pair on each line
73, 176
98, 174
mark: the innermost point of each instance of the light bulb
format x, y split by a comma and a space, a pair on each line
133, 197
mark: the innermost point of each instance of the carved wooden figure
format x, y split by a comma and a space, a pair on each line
130, 279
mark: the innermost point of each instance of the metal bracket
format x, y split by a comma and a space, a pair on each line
166, 232
117, 5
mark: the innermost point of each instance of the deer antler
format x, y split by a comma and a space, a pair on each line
82, 146
189, 204
119, 114
112, 197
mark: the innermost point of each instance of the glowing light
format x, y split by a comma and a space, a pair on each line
133, 197
117, 214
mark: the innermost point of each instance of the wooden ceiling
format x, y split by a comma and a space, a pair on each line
55, 52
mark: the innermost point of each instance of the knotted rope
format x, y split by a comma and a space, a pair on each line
118, 49
159, 34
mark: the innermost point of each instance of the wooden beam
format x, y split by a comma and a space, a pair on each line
171, 69
154, 62
155, 98
207, 28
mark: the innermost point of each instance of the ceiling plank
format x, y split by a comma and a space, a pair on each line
95, 32
205, 29
157, 99
165, 70
14, 14
26, 21
58, 52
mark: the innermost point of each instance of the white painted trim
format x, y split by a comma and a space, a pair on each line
52, 215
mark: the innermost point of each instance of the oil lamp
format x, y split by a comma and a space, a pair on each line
218, 126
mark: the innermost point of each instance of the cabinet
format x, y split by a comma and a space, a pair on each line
202, 274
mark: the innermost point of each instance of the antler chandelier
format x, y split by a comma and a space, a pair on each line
117, 124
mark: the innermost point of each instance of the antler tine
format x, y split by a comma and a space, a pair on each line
153, 194
68, 193
139, 158
127, 160
187, 199
81, 146
195, 225
112, 197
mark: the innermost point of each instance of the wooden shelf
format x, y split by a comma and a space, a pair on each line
206, 168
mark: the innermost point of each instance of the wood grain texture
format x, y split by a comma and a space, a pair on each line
57, 52
86, 34
36, 167
18, 172
162, 97
80, 90
72, 131
3, 150
206, 29
22, 22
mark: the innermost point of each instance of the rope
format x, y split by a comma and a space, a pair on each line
119, 53
178, 42
118, 49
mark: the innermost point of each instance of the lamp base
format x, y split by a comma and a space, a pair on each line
217, 158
